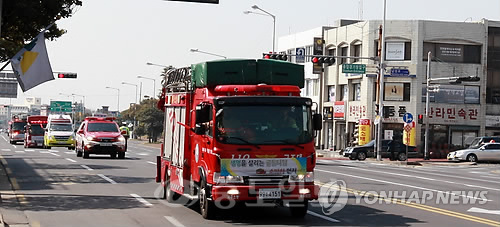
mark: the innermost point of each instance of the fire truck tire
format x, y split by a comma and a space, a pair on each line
113, 155
121, 155
299, 210
86, 154
207, 207
170, 195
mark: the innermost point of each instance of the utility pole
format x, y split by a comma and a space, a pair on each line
427, 103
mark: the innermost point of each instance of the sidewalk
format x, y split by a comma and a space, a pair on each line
11, 213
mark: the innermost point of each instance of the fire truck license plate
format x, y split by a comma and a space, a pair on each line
106, 144
269, 193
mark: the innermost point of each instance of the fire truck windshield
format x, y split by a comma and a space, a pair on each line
264, 124
61, 127
18, 126
36, 129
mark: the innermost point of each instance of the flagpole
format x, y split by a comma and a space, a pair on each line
44, 30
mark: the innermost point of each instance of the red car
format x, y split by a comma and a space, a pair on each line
98, 135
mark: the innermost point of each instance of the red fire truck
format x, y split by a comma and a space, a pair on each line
35, 130
238, 131
16, 129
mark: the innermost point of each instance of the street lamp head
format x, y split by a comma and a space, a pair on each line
255, 7
247, 12
149, 63
193, 50
140, 76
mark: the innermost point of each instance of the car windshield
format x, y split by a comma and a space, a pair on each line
36, 130
264, 124
102, 127
18, 126
61, 127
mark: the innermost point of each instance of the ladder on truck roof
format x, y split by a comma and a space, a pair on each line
177, 80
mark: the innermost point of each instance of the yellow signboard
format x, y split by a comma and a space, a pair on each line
364, 131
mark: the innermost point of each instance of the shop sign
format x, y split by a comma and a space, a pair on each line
357, 112
492, 121
364, 131
339, 110
453, 114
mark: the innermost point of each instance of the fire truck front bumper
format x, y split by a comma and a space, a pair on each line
270, 193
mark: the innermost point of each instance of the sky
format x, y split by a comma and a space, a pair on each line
110, 41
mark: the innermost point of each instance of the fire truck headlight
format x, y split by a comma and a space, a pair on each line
233, 192
234, 179
304, 191
308, 177
218, 179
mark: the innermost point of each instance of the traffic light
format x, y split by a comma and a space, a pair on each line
323, 59
420, 118
355, 134
275, 56
377, 109
66, 75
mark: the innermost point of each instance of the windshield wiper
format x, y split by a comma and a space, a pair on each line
286, 142
243, 140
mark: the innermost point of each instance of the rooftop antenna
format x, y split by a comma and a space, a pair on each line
360, 10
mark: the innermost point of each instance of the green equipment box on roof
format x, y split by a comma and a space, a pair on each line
247, 72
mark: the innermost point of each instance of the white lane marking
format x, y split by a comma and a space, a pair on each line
323, 217
69, 152
19, 151
491, 177
29, 150
419, 171
44, 152
152, 163
404, 185
86, 167
69, 159
55, 154
174, 221
5, 149
4, 138
107, 178
14, 146
55, 151
476, 186
480, 210
142, 154
141, 200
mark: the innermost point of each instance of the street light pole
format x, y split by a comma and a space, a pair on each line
427, 103
381, 90
118, 103
134, 135
204, 52
154, 84
164, 66
83, 105
255, 7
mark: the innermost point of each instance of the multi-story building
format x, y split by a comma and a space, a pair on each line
457, 113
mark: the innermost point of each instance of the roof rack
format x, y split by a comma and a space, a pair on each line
177, 80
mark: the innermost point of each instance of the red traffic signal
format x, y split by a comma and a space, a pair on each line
66, 75
275, 56
321, 60
420, 118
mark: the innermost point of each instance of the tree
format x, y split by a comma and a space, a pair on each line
23, 20
150, 118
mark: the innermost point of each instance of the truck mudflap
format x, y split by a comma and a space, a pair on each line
252, 193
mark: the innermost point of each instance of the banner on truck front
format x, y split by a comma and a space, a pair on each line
263, 166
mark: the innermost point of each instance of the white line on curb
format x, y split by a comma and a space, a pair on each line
152, 163
19, 151
69, 159
107, 178
323, 217
141, 200
86, 167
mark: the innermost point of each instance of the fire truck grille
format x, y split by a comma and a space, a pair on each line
266, 180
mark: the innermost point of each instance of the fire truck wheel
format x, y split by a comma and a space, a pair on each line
86, 154
299, 210
121, 155
207, 208
170, 195
113, 155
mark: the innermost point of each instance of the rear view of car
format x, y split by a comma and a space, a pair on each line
16, 130
100, 136
35, 130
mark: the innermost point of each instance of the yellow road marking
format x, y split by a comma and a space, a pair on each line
8, 170
4, 162
423, 207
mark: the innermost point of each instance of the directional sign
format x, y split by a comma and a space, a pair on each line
354, 68
300, 55
60, 106
408, 118
400, 72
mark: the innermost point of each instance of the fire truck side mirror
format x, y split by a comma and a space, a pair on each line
203, 113
317, 122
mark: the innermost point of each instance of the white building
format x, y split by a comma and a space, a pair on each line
457, 112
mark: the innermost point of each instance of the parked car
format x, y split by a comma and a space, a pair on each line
364, 151
485, 152
97, 135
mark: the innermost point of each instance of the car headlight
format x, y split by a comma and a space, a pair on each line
218, 179
308, 177
90, 138
121, 139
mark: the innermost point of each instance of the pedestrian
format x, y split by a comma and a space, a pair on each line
126, 135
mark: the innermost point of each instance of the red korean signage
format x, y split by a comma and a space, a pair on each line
339, 109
